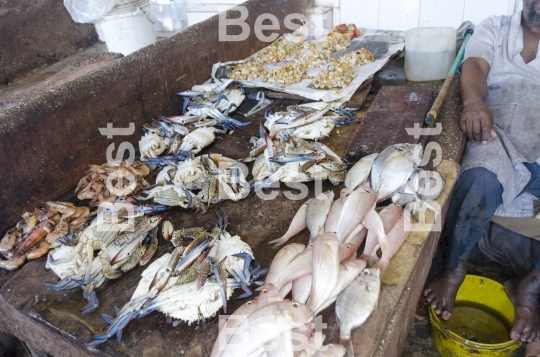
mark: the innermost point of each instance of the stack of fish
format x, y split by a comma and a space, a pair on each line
326, 269
272, 326
177, 283
31, 237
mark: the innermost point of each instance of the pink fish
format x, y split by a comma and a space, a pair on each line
355, 207
393, 241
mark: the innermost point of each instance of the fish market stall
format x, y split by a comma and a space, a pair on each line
138, 89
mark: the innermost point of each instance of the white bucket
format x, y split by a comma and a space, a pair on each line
429, 53
126, 28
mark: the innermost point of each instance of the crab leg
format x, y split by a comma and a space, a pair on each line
220, 280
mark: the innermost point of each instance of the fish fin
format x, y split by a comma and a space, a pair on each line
350, 349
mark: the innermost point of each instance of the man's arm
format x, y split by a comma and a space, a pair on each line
476, 121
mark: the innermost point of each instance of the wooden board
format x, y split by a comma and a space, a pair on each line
394, 109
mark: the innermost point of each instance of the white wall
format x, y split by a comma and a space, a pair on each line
405, 14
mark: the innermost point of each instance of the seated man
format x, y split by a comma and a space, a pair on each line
499, 87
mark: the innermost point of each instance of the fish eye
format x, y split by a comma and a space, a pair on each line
264, 291
249, 302
295, 304
365, 272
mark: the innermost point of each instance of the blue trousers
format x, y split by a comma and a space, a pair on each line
476, 196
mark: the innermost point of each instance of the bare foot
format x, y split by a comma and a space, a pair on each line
524, 293
441, 291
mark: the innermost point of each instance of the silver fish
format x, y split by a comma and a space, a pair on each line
281, 346
264, 325
333, 216
356, 206
297, 224
317, 211
302, 265
232, 323
389, 216
372, 221
359, 173
391, 170
348, 271
298, 267
325, 269
282, 260
301, 288
356, 302
268, 294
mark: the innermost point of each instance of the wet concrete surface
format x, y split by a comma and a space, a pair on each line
53, 75
38, 33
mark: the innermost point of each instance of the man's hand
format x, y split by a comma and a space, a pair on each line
476, 121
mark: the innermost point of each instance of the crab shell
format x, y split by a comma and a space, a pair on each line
164, 175
169, 195
234, 96
152, 145
229, 245
198, 139
314, 131
184, 302
188, 171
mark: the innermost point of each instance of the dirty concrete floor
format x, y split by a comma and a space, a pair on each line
418, 343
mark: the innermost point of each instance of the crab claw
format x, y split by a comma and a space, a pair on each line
108, 319
64, 284
223, 220
247, 290
93, 303
247, 263
220, 97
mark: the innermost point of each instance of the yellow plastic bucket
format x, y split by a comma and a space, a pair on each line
481, 293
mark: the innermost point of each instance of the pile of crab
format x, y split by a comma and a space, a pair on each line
192, 282
121, 243
205, 112
285, 154
198, 182
107, 182
31, 237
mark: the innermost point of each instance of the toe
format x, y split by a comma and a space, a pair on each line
526, 334
446, 315
514, 335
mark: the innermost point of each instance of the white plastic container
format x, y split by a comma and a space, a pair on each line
429, 53
126, 28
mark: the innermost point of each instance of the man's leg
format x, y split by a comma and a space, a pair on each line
476, 196
524, 291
